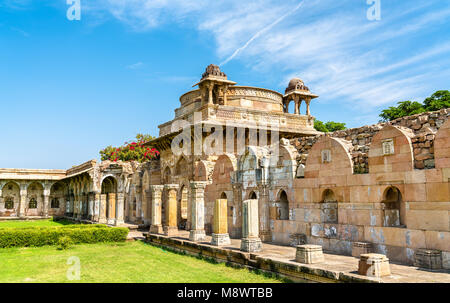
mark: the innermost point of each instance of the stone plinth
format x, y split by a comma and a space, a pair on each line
196, 197
251, 244
374, 265
361, 248
309, 254
156, 229
170, 231
250, 230
220, 227
428, 258
220, 239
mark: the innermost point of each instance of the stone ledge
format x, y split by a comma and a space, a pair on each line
289, 269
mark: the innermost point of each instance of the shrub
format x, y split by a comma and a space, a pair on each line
64, 242
25, 237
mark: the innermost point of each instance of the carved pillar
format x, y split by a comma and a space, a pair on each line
145, 207
308, 101
119, 208
138, 196
46, 200
171, 227
264, 213
220, 234
111, 214
296, 106
210, 87
96, 214
225, 94
23, 200
250, 230
156, 227
197, 198
103, 206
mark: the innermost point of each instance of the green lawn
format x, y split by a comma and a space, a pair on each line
119, 262
30, 223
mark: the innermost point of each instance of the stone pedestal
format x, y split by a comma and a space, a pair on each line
156, 192
220, 227
428, 258
374, 265
170, 231
196, 197
309, 254
220, 239
361, 248
251, 244
250, 228
156, 229
103, 206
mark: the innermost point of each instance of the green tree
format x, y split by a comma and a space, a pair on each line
133, 151
437, 101
404, 108
329, 126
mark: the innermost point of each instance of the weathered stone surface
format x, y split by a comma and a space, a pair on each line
309, 254
374, 265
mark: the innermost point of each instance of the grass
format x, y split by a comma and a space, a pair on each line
32, 223
117, 262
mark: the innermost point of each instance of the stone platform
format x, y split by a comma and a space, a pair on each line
281, 259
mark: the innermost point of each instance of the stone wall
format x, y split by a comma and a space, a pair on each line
423, 128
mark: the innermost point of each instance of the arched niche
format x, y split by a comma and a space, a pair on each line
35, 199
393, 208
329, 207
282, 206
224, 166
391, 151
328, 157
10, 199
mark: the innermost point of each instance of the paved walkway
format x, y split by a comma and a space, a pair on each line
347, 264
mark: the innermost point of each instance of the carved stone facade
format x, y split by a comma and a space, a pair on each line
386, 185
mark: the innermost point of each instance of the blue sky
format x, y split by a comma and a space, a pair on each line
70, 88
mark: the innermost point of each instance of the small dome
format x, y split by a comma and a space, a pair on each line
296, 84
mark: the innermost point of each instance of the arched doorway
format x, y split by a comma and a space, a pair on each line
34, 205
108, 197
11, 199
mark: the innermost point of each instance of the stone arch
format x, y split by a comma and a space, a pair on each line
201, 171
223, 195
442, 146
253, 195
10, 199
329, 207
57, 198
109, 187
393, 207
223, 168
329, 157
249, 160
391, 151
34, 205
181, 168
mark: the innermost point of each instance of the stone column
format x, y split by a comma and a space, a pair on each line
220, 234
197, 198
79, 206
264, 214
46, 201
145, 206
23, 200
250, 230
96, 215
111, 208
138, 204
90, 206
171, 227
102, 215
307, 106
296, 106
119, 209
210, 93
156, 227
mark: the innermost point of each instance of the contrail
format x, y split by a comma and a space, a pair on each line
236, 52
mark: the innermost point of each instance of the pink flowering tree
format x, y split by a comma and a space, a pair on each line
131, 151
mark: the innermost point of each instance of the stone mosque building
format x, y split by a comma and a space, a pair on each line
386, 184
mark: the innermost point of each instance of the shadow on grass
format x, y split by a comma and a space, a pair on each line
211, 260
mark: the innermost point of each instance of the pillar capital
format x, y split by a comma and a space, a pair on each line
198, 184
171, 186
